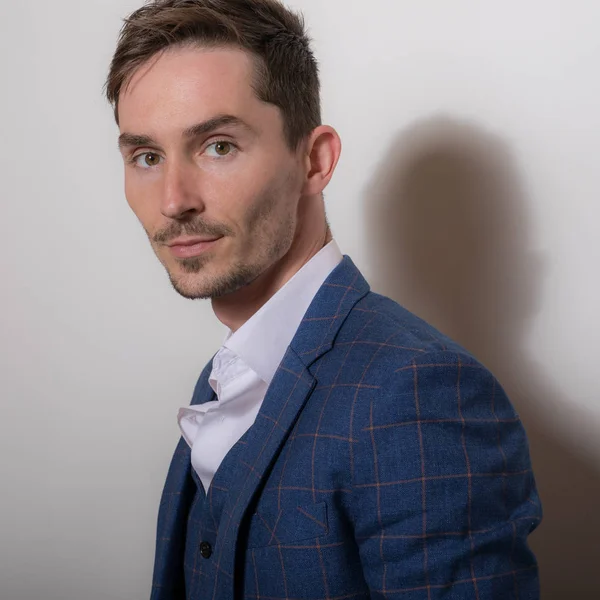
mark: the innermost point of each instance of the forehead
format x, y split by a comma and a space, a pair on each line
184, 85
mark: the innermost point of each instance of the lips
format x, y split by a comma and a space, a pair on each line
191, 247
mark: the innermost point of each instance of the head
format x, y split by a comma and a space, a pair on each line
225, 155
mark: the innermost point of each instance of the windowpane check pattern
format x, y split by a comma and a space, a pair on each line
385, 462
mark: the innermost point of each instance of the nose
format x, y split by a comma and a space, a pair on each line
181, 193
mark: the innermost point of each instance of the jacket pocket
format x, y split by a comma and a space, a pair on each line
288, 526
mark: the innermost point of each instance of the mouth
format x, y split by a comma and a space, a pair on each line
191, 247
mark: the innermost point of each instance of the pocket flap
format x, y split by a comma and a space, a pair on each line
288, 526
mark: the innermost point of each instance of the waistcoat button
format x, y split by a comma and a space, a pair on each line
205, 550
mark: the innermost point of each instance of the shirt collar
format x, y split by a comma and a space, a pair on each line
263, 340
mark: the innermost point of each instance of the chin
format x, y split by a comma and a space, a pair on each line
202, 286
209, 284
191, 286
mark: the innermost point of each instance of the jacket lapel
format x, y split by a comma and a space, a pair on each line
175, 504
285, 398
203, 392
328, 311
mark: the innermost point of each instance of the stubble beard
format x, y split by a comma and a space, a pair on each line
237, 277
273, 238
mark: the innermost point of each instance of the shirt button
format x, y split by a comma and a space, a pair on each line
205, 550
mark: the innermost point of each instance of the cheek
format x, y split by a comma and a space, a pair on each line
232, 201
132, 193
272, 209
140, 200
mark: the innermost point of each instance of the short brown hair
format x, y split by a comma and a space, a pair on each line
286, 74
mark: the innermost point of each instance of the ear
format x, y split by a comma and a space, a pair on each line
323, 153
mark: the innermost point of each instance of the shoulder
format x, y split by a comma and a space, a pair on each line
398, 361
381, 318
389, 338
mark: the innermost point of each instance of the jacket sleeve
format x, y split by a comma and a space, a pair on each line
443, 492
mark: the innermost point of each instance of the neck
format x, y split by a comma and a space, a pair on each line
311, 236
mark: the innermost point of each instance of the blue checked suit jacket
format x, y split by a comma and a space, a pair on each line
385, 462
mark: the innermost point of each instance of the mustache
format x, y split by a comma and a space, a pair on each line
198, 227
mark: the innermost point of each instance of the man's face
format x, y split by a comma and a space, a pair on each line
208, 171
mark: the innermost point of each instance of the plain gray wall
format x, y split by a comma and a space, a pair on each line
467, 189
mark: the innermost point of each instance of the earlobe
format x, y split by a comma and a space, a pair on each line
324, 149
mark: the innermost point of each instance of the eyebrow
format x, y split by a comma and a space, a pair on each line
127, 140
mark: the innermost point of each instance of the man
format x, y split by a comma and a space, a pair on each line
336, 446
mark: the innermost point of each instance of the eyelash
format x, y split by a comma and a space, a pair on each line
132, 160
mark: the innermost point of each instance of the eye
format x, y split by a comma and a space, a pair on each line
220, 149
146, 160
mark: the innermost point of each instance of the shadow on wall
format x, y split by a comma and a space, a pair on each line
451, 241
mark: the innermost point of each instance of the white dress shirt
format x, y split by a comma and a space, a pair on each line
245, 365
